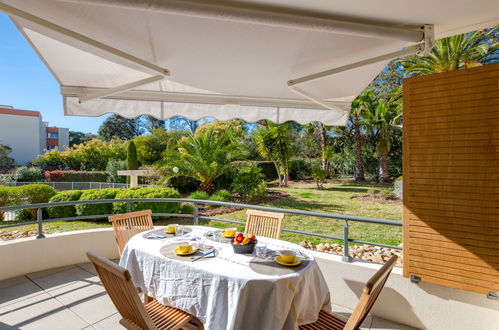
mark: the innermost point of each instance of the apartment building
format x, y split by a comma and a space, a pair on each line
28, 135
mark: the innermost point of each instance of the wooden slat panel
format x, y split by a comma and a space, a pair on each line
451, 178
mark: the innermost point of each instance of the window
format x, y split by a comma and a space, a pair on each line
53, 135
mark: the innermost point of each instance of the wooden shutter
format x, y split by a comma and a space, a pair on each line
451, 178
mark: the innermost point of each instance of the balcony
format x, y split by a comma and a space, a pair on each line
46, 286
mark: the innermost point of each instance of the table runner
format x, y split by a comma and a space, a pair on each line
231, 291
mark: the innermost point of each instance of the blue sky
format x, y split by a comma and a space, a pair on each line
27, 84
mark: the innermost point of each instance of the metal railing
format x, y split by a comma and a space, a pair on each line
76, 185
196, 217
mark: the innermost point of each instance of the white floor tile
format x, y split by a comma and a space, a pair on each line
17, 289
60, 279
39, 312
382, 324
112, 322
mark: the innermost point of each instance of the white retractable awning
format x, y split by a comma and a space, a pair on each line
265, 59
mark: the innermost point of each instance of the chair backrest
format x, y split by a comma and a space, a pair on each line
128, 224
267, 224
120, 288
370, 294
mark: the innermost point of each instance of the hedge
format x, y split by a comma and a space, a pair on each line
27, 194
64, 211
147, 193
94, 209
75, 176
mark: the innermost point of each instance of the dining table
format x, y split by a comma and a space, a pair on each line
225, 290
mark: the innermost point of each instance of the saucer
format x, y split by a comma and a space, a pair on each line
177, 252
297, 261
228, 236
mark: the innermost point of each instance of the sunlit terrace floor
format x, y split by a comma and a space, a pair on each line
73, 298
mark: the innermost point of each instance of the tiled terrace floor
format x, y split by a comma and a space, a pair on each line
73, 298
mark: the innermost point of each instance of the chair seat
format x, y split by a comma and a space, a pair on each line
326, 321
166, 317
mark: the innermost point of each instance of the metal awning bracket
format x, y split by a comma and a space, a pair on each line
428, 40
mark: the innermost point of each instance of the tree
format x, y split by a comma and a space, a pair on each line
151, 147
456, 52
275, 142
6, 162
362, 104
203, 156
381, 120
183, 124
131, 157
119, 127
321, 130
151, 123
79, 137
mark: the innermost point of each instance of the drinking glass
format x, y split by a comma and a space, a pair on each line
261, 250
179, 231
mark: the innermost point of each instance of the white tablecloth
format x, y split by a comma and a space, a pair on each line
227, 292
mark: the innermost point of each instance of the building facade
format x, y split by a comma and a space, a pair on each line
28, 135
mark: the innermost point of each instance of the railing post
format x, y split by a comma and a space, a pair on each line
128, 207
346, 252
196, 215
39, 218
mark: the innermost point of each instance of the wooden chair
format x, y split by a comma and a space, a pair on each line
366, 302
267, 224
128, 224
136, 315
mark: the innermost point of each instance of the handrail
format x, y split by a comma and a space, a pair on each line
196, 217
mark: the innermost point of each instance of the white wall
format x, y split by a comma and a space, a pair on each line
423, 305
22, 134
24, 256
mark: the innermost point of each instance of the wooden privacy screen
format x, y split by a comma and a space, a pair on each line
451, 178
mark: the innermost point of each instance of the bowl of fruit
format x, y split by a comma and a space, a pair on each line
242, 243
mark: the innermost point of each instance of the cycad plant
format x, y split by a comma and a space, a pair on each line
203, 156
456, 52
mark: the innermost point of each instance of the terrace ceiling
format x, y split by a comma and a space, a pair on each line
230, 59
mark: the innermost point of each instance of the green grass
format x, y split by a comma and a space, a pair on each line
335, 198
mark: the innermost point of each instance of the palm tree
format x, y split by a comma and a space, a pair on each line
381, 120
203, 156
274, 141
363, 103
456, 52
320, 129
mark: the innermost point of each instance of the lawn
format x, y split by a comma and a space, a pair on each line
335, 198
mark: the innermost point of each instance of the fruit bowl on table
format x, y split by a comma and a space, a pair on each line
244, 245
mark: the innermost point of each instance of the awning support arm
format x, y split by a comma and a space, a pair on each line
119, 89
420, 49
144, 66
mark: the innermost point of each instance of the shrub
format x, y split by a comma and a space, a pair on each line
183, 184
94, 209
32, 194
187, 209
24, 215
221, 196
268, 170
388, 194
249, 183
319, 175
112, 168
28, 174
198, 194
75, 176
299, 169
64, 211
148, 193
5, 198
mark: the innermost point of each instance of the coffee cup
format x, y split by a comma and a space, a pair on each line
230, 232
288, 256
185, 247
170, 229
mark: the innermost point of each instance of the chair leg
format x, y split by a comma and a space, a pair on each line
147, 299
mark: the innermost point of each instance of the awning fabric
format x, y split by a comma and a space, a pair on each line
229, 59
